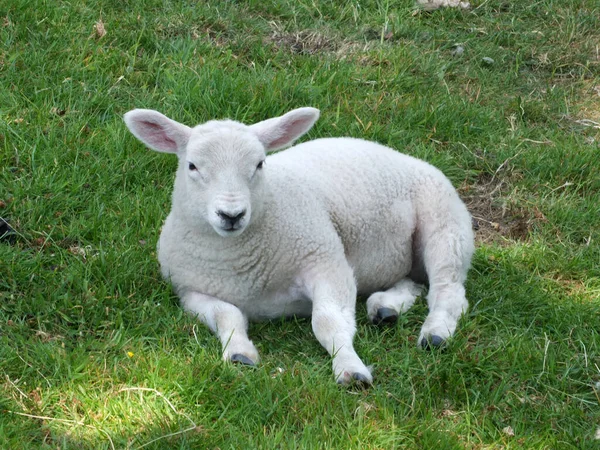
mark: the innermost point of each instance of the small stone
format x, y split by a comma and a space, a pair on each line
278, 371
458, 50
487, 60
508, 431
57, 111
99, 30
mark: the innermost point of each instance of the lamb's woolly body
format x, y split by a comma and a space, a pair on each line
335, 217
325, 195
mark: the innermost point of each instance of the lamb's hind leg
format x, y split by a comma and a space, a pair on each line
384, 307
447, 248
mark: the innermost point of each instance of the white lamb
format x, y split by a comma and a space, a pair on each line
302, 232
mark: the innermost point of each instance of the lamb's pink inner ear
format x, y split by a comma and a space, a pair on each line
290, 131
157, 131
282, 131
156, 136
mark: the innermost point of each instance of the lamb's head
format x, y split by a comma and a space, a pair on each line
220, 182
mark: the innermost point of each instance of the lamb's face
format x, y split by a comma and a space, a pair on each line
223, 172
220, 177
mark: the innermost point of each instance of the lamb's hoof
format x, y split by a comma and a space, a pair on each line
7, 234
241, 359
360, 379
434, 341
385, 316
357, 380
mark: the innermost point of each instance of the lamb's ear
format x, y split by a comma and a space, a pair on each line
282, 131
157, 131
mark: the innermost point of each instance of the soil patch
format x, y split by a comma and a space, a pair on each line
495, 218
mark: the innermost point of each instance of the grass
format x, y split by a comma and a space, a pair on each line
96, 353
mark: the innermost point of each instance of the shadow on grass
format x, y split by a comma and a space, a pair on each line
135, 368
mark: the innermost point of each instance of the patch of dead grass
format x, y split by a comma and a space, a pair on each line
586, 111
304, 42
313, 42
496, 219
589, 105
217, 33
575, 287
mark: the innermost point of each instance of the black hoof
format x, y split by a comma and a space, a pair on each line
360, 379
7, 234
385, 316
433, 342
239, 358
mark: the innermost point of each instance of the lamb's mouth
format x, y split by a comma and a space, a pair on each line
228, 230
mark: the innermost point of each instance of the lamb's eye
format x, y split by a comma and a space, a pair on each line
260, 165
192, 167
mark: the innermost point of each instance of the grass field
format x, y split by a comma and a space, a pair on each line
94, 349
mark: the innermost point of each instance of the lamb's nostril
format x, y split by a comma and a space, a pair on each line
239, 216
230, 218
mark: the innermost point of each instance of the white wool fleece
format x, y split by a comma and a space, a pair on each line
303, 231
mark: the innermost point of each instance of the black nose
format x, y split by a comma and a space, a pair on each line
229, 219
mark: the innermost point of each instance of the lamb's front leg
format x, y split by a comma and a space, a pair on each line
333, 322
227, 322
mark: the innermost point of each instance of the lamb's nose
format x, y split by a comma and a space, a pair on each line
230, 219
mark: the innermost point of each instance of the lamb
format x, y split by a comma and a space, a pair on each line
304, 231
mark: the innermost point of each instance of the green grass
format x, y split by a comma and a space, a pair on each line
94, 349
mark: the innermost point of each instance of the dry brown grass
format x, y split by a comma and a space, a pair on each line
304, 42
496, 217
